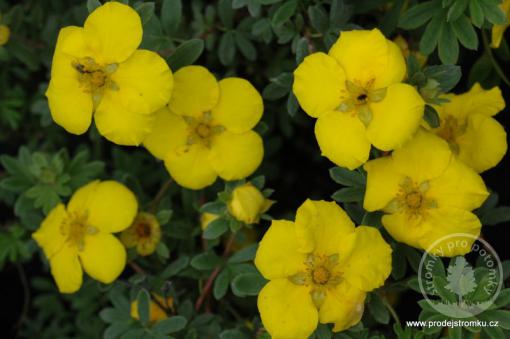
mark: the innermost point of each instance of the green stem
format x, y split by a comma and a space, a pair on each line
392, 311
495, 64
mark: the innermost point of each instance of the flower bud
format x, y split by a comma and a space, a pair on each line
206, 219
144, 234
247, 203
156, 312
5, 33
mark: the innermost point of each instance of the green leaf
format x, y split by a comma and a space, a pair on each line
115, 330
247, 284
143, 305
226, 13
301, 50
346, 177
349, 194
418, 15
245, 46
220, 286
493, 12
227, 48
246, 254
232, 334
284, 13
268, 2
171, 15
186, 54
447, 75
205, 261
378, 310
465, 32
175, 267
501, 316
476, 13
431, 116
216, 228
145, 10
318, 18
448, 46
456, 10
92, 5
493, 332
496, 216
170, 325
213, 207
433, 31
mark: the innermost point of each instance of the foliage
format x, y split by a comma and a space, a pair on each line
210, 274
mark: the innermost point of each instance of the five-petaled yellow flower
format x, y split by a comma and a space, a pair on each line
320, 268
468, 127
499, 30
144, 234
247, 203
427, 194
206, 130
80, 235
98, 70
356, 93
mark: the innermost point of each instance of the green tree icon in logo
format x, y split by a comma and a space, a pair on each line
461, 277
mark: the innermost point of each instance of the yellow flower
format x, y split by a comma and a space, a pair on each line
205, 131
98, 70
247, 203
468, 127
206, 219
5, 33
406, 51
80, 235
426, 193
356, 93
144, 234
320, 268
499, 30
156, 313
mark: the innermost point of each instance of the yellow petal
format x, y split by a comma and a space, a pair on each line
70, 106
477, 100
190, 167
369, 262
195, 91
144, 82
277, 255
459, 186
424, 157
368, 57
119, 123
111, 206
404, 228
383, 183
443, 229
342, 139
72, 43
287, 310
239, 107
319, 84
396, 118
236, 156
343, 306
113, 31
48, 236
169, 132
322, 226
483, 144
66, 270
103, 257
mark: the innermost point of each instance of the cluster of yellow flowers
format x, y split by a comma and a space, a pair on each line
200, 127
321, 266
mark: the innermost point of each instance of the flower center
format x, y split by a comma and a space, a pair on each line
450, 130
143, 230
75, 228
411, 199
201, 130
320, 275
357, 97
95, 78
